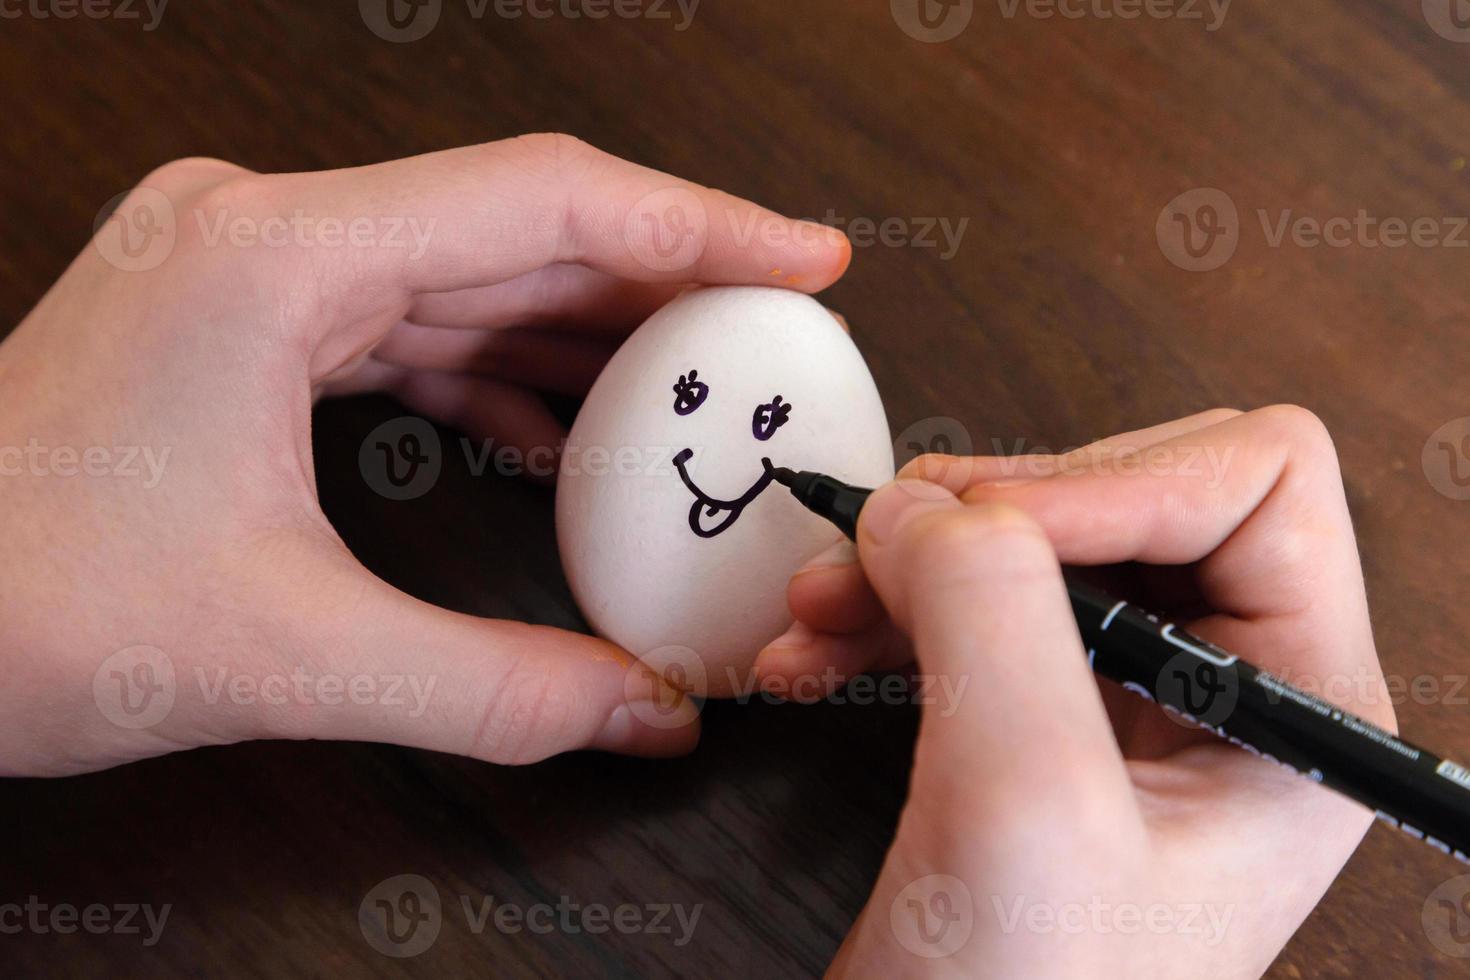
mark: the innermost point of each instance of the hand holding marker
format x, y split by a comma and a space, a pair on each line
1416, 791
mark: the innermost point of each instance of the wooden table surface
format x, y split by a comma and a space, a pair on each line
1062, 314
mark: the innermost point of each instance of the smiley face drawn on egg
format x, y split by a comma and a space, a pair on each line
676, 540
689, 394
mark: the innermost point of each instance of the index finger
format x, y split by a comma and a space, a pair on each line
1257, 501
492, 212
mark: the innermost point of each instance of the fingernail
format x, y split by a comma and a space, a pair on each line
795, 639
994, 490
643, 727
779, 653
1004, 483
933, 466
841, 554
617, 730
894, 505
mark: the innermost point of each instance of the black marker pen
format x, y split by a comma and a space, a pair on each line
1416, 791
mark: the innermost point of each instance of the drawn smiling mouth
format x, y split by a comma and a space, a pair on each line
726, 512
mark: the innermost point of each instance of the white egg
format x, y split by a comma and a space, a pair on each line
676, 542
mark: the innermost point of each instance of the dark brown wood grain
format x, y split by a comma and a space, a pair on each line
1058, 320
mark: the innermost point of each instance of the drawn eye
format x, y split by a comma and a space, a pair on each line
689, 393
769, 417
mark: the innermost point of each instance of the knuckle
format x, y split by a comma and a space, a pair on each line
1295, 424
241, 226
555, 150
560, 161
566, 143
188, 172
1215, 416
237, 193
206, 205
1306, 437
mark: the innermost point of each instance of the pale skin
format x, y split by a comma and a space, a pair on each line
529, 280
527, 283
1043, 790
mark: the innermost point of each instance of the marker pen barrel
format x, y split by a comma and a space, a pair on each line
1420, 793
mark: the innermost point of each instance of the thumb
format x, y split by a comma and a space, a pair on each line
979, 590
409, 673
